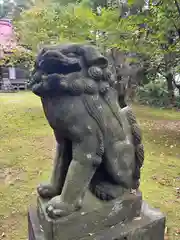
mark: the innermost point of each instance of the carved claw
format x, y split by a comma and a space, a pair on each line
56, 208
55, 213
47, 191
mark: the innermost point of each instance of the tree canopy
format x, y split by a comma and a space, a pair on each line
146, 29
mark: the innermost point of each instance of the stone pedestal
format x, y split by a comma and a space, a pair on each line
123, 219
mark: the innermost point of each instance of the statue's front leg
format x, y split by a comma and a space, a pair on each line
61, 164
80, 172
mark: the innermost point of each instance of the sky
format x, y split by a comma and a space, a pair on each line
2, 1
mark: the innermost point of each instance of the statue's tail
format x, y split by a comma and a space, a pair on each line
139, 147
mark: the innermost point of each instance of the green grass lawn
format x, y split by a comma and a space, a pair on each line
26, 150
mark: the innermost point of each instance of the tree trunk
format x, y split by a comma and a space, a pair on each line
169, 79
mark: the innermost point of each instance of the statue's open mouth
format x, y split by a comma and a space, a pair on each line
55, 62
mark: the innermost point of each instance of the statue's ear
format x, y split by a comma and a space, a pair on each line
93, 57
41, 51
42, 48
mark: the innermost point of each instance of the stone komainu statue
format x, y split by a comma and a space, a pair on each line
98, 143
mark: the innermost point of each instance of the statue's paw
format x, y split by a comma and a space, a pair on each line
47, 191
56, 208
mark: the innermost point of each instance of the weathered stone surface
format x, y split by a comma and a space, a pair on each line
99, 144
149, 226
99, 152
94, 216
35, 232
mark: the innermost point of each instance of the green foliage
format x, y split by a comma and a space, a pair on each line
154, 35
19, 57
177, 103
154, 93
56, 24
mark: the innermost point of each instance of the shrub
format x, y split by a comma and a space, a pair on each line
154, 93
177, 104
